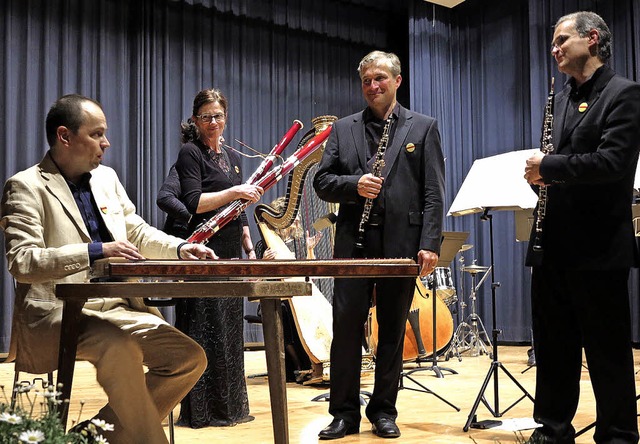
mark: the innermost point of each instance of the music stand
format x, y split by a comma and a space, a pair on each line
483, 191
452, 242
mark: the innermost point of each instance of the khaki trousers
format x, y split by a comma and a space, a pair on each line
118, 341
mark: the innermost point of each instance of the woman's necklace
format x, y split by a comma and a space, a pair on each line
221, 159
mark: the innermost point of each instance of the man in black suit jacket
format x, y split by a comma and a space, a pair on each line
405, 221
579, 284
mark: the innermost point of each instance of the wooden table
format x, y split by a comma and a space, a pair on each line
202, 279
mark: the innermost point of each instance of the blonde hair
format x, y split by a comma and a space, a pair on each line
381, 58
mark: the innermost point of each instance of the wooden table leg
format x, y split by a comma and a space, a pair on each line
67, 353
274, 350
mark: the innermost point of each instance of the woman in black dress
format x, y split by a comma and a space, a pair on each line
211, 178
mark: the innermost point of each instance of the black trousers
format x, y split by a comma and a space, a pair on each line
351, 303
572, 310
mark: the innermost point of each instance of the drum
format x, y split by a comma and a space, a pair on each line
443, 285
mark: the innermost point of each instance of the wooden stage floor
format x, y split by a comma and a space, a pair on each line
423, 418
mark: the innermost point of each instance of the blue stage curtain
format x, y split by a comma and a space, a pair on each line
145, 60
483, 70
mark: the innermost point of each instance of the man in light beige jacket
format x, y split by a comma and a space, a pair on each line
58, 217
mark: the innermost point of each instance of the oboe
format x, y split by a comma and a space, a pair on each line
376, 170
546, 146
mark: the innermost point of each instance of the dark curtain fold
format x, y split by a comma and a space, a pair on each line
145, 60
483, 69
359, 21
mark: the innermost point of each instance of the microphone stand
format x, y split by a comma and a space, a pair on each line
495, 363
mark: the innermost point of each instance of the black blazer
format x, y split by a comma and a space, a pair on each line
587, 224
413, 187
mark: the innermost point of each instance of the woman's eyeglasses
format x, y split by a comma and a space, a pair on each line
208, 118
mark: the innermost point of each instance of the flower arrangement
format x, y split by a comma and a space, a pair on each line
35, 419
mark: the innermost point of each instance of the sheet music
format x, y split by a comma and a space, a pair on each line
495, 182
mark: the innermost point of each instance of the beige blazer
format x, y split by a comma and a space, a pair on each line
46, 243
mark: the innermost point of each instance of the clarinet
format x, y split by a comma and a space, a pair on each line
376, 170
546, 146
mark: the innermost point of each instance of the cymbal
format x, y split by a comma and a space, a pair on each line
465, 247
474, 269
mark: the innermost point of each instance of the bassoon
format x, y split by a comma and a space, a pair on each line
268, 180
546, 146
267, 163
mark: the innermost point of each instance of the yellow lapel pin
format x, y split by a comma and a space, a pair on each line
410, 147
583, 107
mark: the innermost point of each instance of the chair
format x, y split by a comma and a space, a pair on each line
49, 382
17, 383
16, 374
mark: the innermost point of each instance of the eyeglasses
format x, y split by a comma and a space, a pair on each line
562, 39
208, 118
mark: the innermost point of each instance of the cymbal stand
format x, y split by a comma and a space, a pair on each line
467, 335
495, 363
476, 344
454, 347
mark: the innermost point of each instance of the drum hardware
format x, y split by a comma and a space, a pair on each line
443, 283
473, 269
468, 335
453, 349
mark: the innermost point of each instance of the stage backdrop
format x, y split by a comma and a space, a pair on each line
484, 69
145, 60
481, 68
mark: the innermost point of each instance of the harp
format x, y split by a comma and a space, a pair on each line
313, 317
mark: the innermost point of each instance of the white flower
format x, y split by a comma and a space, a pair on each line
11, 418
103, 425
101, 439
31, 436
51, 393
24, 388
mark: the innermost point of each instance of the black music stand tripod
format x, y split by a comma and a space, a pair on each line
434, 367
481, 191
452, 242
496, 365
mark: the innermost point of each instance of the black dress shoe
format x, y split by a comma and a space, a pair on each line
385, 428
337, 429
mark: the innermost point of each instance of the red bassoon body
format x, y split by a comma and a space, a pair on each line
267, 163
268, 180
